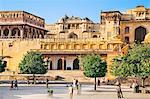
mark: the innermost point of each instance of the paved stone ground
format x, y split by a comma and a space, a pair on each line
60, 92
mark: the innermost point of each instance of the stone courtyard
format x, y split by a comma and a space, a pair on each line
61, 92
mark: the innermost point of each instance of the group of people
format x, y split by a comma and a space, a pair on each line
135, 86
14, 84
75, 86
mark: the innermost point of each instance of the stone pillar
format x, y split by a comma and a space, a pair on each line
63, 61
29, 35
49, 63
1, 33
21, 33
9, 35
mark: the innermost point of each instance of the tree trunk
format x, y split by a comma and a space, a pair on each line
34, 80
95, 84
143, 85
28, 79
143, 82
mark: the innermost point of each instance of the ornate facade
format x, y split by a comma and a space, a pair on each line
20, 24
135, 25
132, 26
73, 27
71, 37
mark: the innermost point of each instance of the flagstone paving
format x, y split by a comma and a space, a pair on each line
61, 92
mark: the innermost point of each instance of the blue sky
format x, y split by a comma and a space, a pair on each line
52, 10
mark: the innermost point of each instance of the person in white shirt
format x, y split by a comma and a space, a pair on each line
70, 92
74, 83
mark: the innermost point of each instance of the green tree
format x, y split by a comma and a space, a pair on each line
136, 63
94, 66
2, 66
32, 63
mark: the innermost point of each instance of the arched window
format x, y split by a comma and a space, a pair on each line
76, 64
126, 29
127, 39
25, 35
15, 32
140, 33
34, 33
94, 36
73, 35
37, 34
41, 35
6, 32
0, 33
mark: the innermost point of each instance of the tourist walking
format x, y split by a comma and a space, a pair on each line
74, 83
79, 88
135, 86
77, 83
70, 92
16, 84
12, 84
119, 91
47, 83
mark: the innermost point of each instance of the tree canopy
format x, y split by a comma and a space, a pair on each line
32, 63
136, 63
94, 66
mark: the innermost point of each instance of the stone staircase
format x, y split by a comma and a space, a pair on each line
69, 75
58, 75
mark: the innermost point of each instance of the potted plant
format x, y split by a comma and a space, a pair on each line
50, 92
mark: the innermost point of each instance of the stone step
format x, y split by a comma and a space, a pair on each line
68, 75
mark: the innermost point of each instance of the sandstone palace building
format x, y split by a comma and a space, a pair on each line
70, 37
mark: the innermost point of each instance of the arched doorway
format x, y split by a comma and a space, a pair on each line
140, 33
94, 36
76, 64
59, 64
72, 35
51, 65
64, 64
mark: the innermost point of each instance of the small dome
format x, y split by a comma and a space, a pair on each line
139, 6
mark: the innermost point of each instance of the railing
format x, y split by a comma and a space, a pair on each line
73, 40
9, 37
